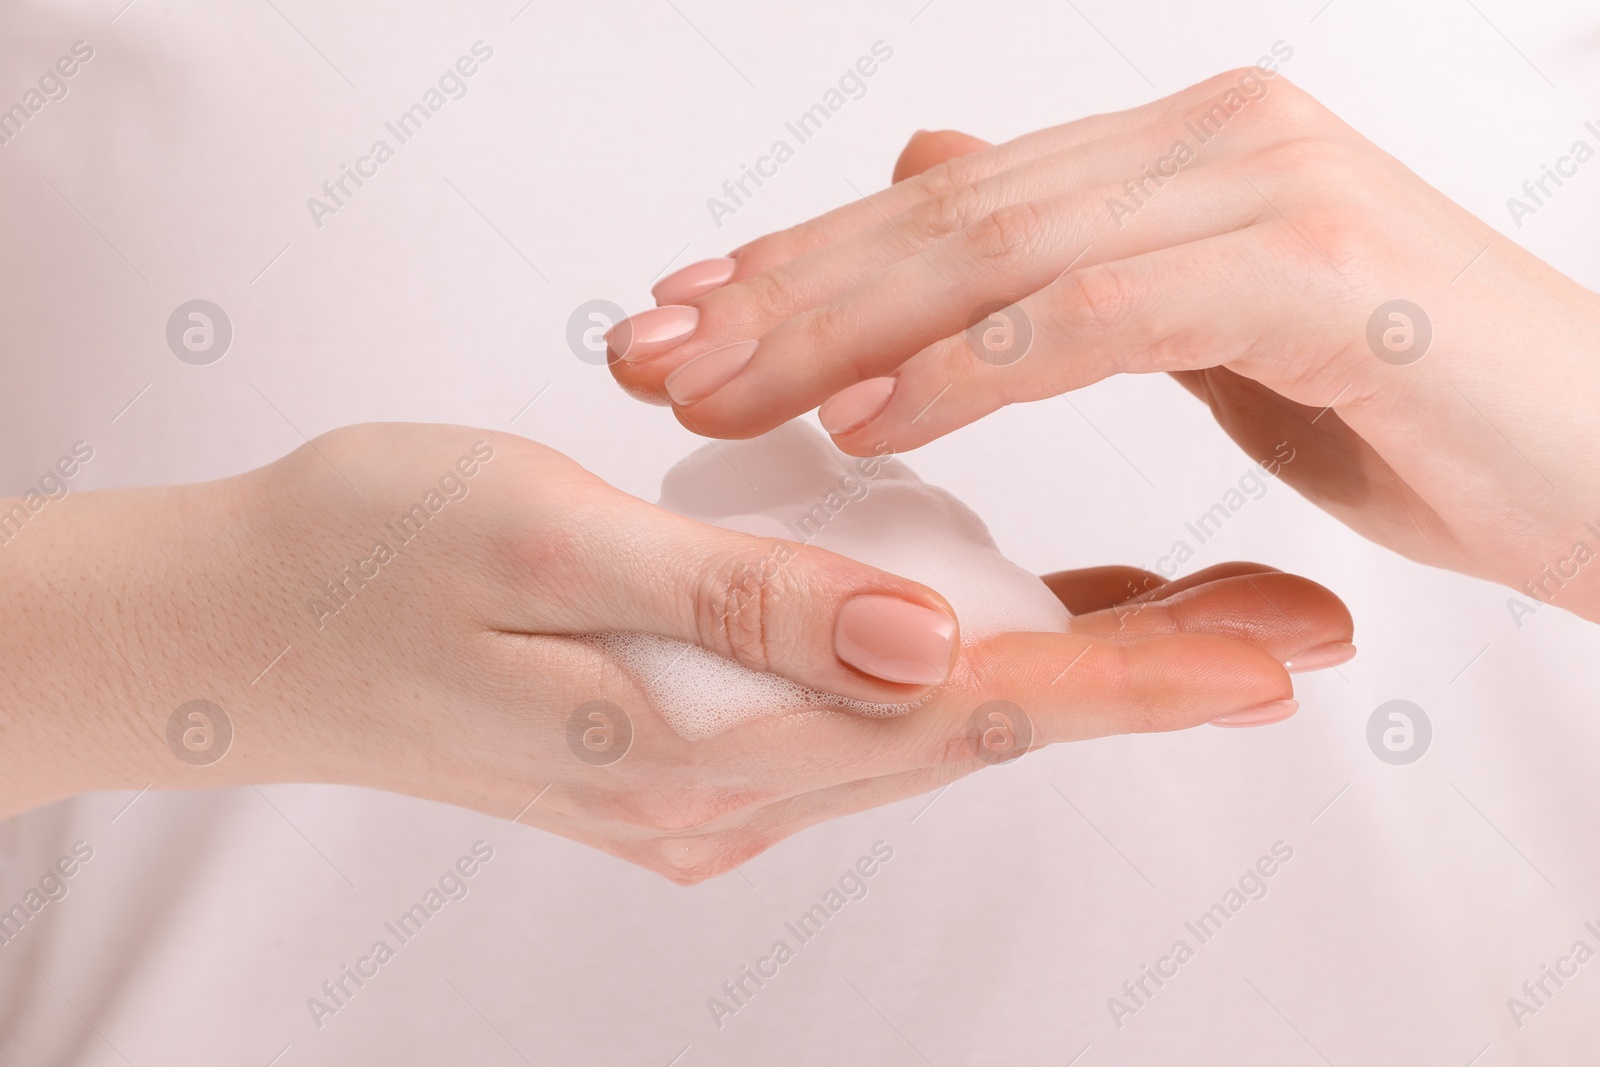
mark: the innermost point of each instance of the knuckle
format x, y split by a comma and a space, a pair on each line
827, 326
694, 858
1218, 84
1332, 164
955, 359
1139, 710
1322, 182
1265, 103
737, 601
1150, 616
1174, 353
946, 177
769, 295
1287, 103
1008, 234
1280, 79
1095, 299
949, 212
687, 863
1332, 235
1181, 348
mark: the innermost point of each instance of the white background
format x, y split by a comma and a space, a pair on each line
577, 168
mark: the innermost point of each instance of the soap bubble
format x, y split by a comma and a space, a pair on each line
793, 485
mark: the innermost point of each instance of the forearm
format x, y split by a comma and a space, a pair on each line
98, 643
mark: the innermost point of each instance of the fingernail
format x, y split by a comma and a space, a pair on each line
697, 279
1260, 715
1320, 658
705, 374
650, 333
895, 640
855, 406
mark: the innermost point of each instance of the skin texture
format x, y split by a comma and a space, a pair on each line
452, 671
1250, 273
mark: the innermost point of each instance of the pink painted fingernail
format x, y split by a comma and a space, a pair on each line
1260, 715
697, 279
1320, 658
895, 640
705, 374
650, 333
854, 407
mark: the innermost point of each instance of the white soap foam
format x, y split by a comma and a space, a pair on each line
794, 485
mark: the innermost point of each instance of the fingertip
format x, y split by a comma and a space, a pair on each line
865, 446
1260, 715
650, 333
694, 281
640, 381
897, 640
854, 406
1322, 657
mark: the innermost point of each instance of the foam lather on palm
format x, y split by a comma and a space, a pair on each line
793, 485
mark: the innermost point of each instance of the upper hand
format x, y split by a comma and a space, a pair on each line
1257, 267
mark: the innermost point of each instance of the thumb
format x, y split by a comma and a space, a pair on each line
817, 618
929, 148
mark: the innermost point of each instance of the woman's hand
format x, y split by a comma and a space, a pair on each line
399, 607
1440, 386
